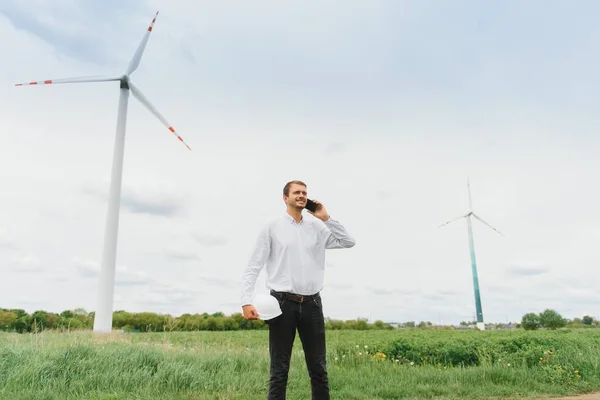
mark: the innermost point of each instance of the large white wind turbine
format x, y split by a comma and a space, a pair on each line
480, 323
103, 318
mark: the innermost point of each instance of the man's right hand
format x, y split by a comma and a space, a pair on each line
250, 312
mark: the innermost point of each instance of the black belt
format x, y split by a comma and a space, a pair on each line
298, 298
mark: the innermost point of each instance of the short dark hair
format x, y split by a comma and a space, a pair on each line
286, 188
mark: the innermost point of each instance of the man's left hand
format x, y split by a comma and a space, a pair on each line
321, 212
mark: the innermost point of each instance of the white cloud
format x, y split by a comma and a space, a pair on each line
6, 241
26, 263
384, 120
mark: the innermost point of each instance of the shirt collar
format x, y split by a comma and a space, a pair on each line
292, 220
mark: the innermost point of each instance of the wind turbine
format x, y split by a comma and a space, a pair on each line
480, 323
103, 317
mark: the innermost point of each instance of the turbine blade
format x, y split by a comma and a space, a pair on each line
80, 79
138, 95
488, 225
137, 56
453, 219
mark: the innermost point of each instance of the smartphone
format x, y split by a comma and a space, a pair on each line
311, 205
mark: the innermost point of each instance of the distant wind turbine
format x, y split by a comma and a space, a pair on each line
104, 311
480, 323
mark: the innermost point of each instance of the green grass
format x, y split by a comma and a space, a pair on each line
419, 364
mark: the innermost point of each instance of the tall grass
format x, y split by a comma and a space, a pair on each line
407, 364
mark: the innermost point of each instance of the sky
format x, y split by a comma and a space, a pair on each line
384, 109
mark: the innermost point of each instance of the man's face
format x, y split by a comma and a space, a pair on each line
296, 197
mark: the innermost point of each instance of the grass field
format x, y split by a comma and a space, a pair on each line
418, 364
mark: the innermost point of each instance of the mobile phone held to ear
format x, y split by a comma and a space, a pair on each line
311, 205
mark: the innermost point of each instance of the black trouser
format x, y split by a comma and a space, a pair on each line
307, 318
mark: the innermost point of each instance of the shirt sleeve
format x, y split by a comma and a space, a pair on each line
257, 261
336, 236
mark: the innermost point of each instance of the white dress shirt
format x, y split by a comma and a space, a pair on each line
294, 255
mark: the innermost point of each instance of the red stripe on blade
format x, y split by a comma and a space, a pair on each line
171, 129
48, 81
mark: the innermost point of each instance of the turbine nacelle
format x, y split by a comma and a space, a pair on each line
124, 82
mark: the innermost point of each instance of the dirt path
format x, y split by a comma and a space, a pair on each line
591, 396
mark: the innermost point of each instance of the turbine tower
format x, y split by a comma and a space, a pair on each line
106, 284
480, 323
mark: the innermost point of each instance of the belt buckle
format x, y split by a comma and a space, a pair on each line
300, 299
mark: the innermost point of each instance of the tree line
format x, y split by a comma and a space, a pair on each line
551, 319
18, 320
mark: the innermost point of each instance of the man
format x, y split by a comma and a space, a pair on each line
293, 249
